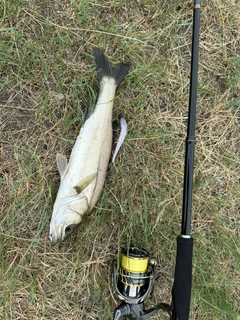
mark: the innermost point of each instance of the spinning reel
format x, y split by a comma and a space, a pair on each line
133, 282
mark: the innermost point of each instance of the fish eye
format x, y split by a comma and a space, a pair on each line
70, 228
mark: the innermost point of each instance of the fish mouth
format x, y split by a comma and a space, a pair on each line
53, 243
53, 239
55, 235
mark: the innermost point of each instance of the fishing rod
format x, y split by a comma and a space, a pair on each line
181, 291
133, 279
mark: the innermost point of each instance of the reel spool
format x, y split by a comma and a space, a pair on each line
133, 282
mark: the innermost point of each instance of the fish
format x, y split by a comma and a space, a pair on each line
82, 177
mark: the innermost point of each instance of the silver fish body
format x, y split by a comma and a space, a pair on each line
82, 178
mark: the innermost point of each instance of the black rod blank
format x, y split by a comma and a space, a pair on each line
181, 291
190, 140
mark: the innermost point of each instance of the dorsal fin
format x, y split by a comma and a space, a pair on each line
62, 163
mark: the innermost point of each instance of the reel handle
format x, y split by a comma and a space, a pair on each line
137, 311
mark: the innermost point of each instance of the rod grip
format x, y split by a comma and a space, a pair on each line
181, 292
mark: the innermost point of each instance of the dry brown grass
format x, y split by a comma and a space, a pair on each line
47, 79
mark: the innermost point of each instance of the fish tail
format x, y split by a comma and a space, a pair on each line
104, 67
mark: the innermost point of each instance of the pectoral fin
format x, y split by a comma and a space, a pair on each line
62, 163
84, 183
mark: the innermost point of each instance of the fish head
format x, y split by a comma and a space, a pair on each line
67, 217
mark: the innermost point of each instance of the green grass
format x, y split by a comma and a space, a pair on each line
48, 79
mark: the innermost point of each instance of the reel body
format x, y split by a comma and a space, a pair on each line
133, 282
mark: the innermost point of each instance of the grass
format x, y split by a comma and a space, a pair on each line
48, 78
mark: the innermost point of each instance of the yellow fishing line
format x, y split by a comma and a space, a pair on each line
134, 264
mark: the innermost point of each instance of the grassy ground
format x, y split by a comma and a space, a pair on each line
48, 78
